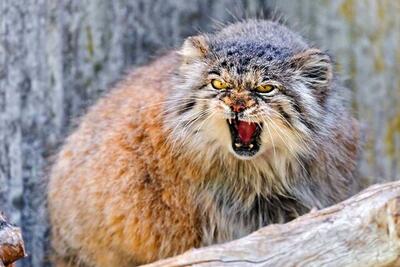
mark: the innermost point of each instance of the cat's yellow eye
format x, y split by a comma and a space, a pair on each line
219, 85
266, 88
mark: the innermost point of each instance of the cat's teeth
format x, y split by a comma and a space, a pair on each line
237, 145
230, 121
251, 145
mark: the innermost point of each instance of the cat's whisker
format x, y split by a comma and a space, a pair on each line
201, 125
174, 106
301, 138
187, 126
291, 149
173, 103
272, 139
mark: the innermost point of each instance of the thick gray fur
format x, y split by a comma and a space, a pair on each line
316, 170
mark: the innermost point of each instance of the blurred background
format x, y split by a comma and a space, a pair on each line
58, 57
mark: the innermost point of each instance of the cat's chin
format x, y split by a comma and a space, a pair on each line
263, 151
246, 153
244, 157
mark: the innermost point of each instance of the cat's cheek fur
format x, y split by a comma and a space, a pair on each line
217, 129
276, 137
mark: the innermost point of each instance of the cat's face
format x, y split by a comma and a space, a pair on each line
248, 99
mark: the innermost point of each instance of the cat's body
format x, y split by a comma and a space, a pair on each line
146, 176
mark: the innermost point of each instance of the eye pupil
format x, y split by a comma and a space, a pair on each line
219, 85
265, 88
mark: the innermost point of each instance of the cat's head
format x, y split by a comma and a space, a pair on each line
251, 89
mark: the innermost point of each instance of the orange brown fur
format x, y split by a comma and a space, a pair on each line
120, 157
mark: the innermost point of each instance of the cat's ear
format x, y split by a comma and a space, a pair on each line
194, 48
314, 68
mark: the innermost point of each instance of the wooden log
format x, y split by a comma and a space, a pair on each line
361, 231
11, 243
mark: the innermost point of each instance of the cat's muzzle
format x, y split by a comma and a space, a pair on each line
245, 136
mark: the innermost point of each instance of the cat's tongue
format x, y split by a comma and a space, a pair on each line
246, 131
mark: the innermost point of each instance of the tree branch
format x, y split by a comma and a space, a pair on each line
361, 231
11, 243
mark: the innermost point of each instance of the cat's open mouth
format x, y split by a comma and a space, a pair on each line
245, 136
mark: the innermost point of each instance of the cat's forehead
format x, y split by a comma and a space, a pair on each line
246, 51
241, 76
249, 59
235, 65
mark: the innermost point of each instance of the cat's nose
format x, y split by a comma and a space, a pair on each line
238, 107
238, 102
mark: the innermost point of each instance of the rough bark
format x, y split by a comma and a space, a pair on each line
11, 243
361, 231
